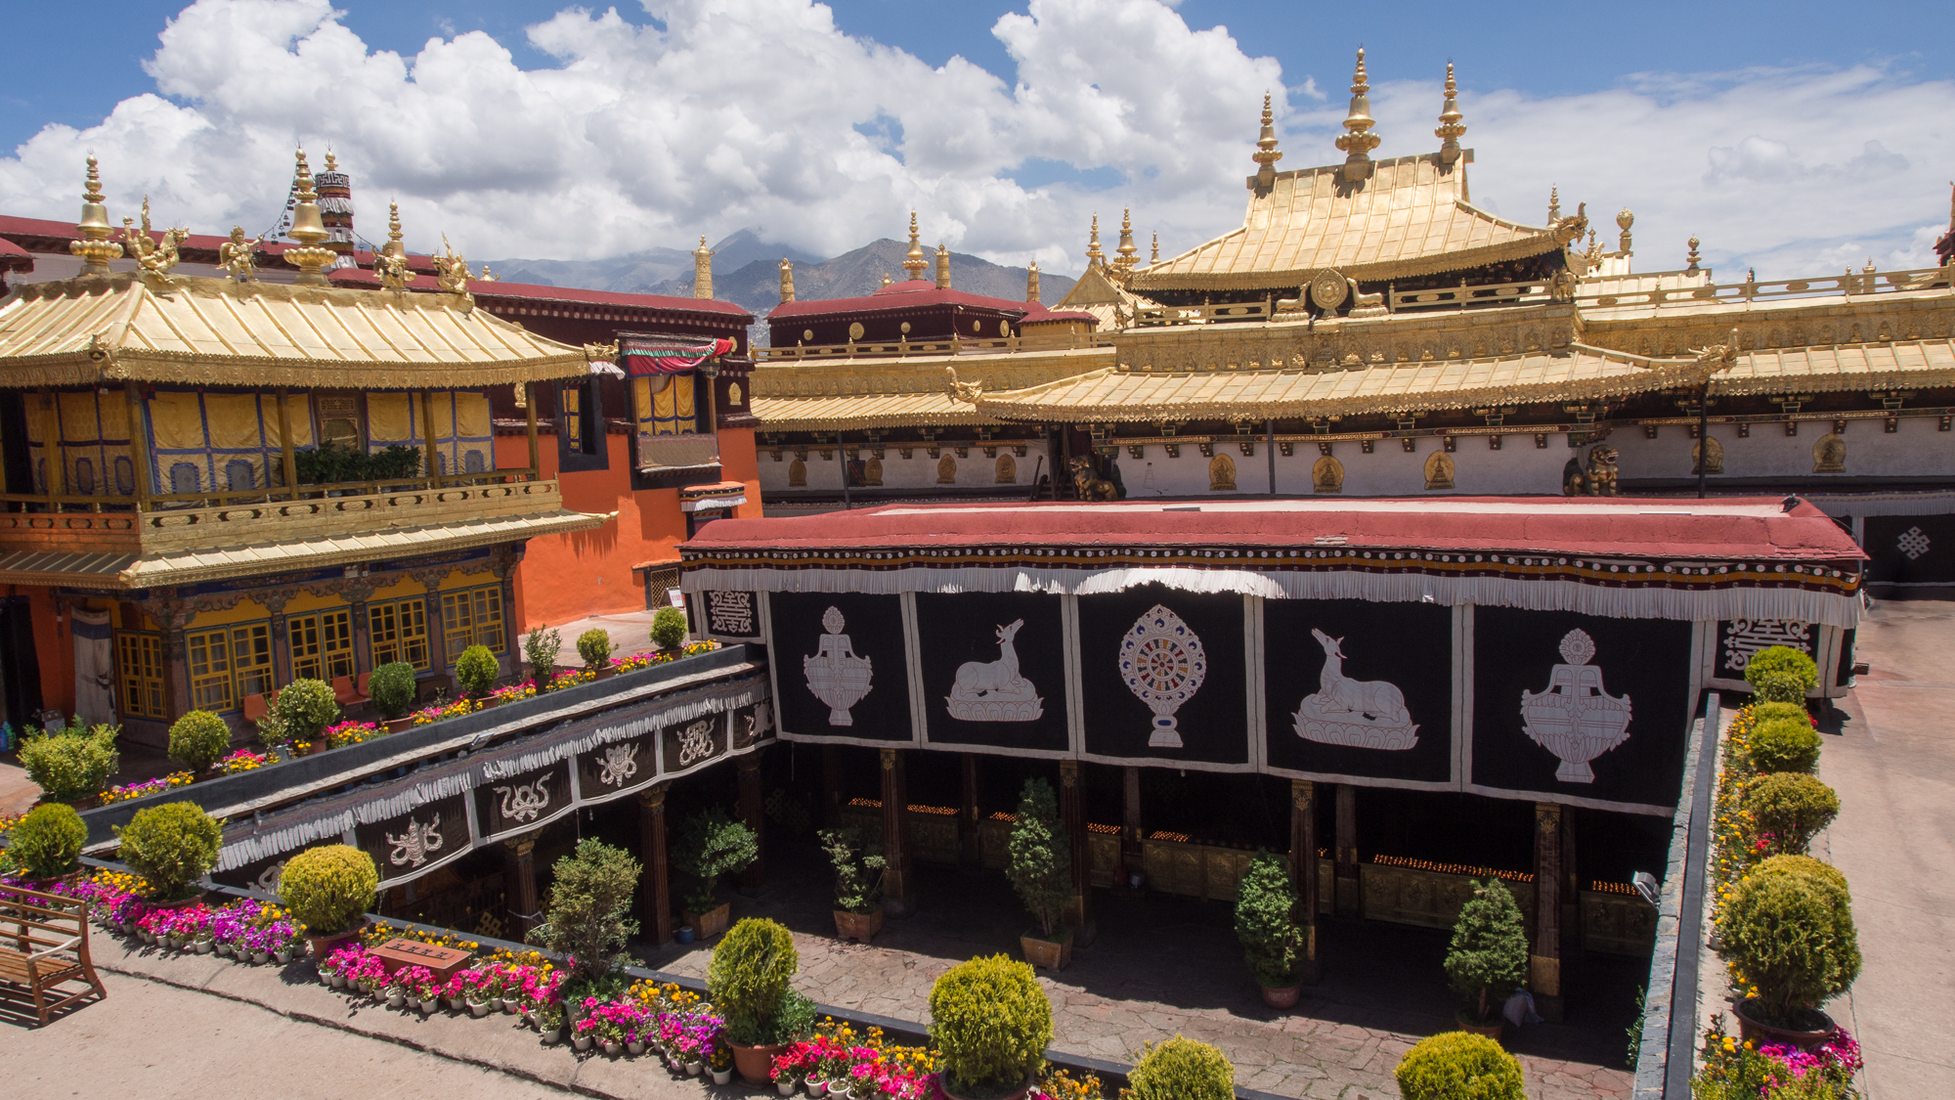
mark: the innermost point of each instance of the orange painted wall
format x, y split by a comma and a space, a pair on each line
567, 577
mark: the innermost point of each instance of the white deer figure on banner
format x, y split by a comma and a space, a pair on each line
1375, 699
995, 691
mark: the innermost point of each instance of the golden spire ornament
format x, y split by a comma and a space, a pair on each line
308, 229
1266, 154
1357, 140
1624, 219
943, 267
913, 261
1693, 260
1032, 281
787, 280
1554, 203
1126, 255
1451, 124
1154, 250
1094, 257
390, 263
702, 270
92, 242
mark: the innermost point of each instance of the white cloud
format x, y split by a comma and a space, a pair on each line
712, 115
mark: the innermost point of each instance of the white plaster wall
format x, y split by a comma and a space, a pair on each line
1918, 449
1389, 470
917, 473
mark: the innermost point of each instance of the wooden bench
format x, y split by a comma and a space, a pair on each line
43, 944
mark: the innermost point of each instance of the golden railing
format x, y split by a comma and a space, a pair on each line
905, 347
1846, 284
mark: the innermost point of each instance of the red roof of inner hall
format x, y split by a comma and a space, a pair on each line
905, 295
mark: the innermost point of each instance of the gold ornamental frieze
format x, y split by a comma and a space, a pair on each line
1787, 324
1350, 343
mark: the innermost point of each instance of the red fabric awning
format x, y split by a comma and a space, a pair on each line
649, 359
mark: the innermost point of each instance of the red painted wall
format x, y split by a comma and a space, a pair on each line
54, 649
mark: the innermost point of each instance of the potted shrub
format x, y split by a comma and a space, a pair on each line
1487, 958
171, 846
711, 845
1266, 926
1784, 745
302, 711
858, 883
70, 763
1788, 809
594, 647
1040, 867
1182, 1069
1455, 1064
329, 890
46, 844
1781, 674
749, 983
549, 1022
392, 686
476, 671
991, 1023
669, 628
198, 740
588, 916
540, 649
1788, 929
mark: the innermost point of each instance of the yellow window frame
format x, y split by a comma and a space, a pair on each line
139, 674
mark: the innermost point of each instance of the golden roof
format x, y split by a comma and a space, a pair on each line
221, 332
914, 391
1837, 367
1412, 217
1579, 373
864, 411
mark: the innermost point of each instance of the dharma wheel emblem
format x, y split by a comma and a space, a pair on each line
835, 674
1163, 663
1575, 719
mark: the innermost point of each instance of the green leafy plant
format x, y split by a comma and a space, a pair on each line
1455, 1065
1265, 921
1789, 930
70, 763
1785, 745
339, 464
749, 978
669, 628
1774, 712
588, 915
392, 686
198, 740
1182, 1069
303, 708
1789, 809
1487, 957
594, 646
540, 649
476, 670
1781, 674
992, 1022
171, 846
329, 889
711, 845
47, 842
1039, 860
858, 869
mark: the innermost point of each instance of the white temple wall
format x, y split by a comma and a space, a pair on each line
1917, 449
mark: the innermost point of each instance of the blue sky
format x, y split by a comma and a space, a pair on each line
1788, 134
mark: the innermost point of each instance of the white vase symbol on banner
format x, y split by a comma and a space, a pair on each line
1361, 714
1575, 718
1163, 663
995, 691
836, 675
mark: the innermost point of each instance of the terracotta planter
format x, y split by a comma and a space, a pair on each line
323, 946
1049, 954
755, 1064
1491, 1031
712, 922
1755, 1030
395, 725
860, 927
1015, 1094
1282, 996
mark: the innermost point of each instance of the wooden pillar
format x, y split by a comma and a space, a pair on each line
427, 433
1544, 962
655, 887
895, 842
1133, 862
535, 452
356, 604
1348, 902
970, 836
831, 786
281, 640
1072, 817
139, 445
1303, 865
519, 885
1571, 886
753, 811
285, 444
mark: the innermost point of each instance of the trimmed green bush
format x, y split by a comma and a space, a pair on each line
329, 888
1182, 1069
171, 846
588, 916
1805, 865
198, 740
1487, 958
1790, 806
476, 670
669, 628
991, 1022
1456, 1065
749, 978
47, 842
540, 649
1039, 860
594, 646
1789, 930
392, 686
1784, 745
1775, 712
70, 763
1781, 674
303, 709
710, 845
1265, 921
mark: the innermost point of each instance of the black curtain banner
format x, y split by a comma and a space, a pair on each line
1910, 549
417, 840
1164, 669
994, 670
524, 801
839, 662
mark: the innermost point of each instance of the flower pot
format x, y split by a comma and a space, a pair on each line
478, 1009
1490, 1030
339, 981
816, 1086
1282, 996
860, 927
283, 955
612, 1048
839, 1090
428, 1005
582, 1042
508, 1005
755, 1063
395, 998
712, 922
683, 934
694, 1069
1751, 1029
634, 1048
1049, 954
395, 725
1015, 1094
454, 1004
322, 947
722, 1077
553, 1036
786, 1088
260, 958
200, 947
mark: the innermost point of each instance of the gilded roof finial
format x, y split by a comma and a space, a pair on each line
153, 257
787, 280
1451, 125
1126, 255
1554, 204
92, 242
1032, 281
702, 270
886, 280
1266, 154
1154, 250
390, 263
913, 261
1357, 140
308, 229
451, 273
394, 245
943, 267
239, 255
332, 161
1624, 219
1692, 259
1094, 257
